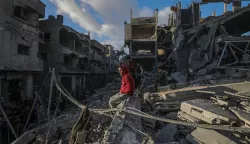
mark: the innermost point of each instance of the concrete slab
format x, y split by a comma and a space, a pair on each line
184, 116
166, 134
119, 132
243, 116
205, 136
207, 111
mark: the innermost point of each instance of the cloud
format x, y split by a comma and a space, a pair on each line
105, 18
146, 12
164, 15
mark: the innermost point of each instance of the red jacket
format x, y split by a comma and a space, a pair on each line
128, 84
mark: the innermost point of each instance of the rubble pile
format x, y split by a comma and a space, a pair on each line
215, 44
224, 104
60, 128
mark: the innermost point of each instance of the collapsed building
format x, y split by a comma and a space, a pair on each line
141, 39
215, 43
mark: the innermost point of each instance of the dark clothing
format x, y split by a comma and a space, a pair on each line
161, 79
138, 78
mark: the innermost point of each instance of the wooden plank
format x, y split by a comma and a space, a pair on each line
25, 138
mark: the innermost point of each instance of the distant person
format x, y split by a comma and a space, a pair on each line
127, 88
161, 77
139, 72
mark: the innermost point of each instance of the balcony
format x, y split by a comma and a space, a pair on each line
96, 69
68, 51
26, 63
96, 57
35, 5
107, 60
31, 33
96, 44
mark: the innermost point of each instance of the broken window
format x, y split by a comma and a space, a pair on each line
19, 12
41, 35
47, 36
23, 50
44, 56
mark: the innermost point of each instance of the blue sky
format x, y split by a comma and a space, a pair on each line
105, 18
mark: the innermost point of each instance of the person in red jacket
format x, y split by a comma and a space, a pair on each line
127, 87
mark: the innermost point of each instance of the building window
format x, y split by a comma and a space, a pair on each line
19, 12
44, 56
47, 36
23, 50
41, 35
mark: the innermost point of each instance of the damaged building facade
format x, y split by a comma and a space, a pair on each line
141, 39
29, 49
79, 61
66, 50
20, 38
19, 44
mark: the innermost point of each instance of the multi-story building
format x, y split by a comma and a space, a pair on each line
19, 42
141, 38
67, 51
97, 57
111, 56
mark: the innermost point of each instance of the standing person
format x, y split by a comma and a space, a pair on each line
127, 87
139, 73
161, 77
132, 72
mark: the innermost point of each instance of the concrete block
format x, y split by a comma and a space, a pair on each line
205, 136
119, 131
184, 116
207, 111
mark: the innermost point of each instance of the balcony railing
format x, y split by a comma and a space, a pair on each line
97, 70
96, 57
26, 63
68, 51
34, 4
24, 29
96, 44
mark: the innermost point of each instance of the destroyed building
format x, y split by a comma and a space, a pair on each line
19, 44
141, 39
112, 58
20, 38
66, 50
215, 43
